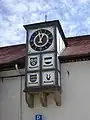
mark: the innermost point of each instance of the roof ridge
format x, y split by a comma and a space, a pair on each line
12, 45
76, 37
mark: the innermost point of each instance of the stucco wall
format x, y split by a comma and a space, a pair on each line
9, 99
75, 103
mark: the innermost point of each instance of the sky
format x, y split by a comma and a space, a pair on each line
74, 17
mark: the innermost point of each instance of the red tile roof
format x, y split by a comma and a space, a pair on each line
78, 40
76, 50
77, 46
11, 53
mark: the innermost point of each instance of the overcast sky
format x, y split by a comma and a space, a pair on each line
74, 16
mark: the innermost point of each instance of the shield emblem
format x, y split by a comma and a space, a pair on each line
48, 61
33, 78
33, 61
48, 78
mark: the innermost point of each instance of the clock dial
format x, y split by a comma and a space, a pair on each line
41, 40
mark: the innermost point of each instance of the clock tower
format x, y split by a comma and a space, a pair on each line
42, 72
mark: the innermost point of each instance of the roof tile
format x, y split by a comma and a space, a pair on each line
12, 53
77, 46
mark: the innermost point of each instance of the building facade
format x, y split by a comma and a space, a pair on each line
75, 84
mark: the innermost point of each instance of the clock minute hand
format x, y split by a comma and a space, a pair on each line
40, 38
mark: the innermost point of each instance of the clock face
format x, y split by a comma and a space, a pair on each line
41, 40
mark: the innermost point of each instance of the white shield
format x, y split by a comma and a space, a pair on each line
33, 62
48, 60
33, 79
48, 78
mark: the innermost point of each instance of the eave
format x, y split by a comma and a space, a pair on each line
74, 58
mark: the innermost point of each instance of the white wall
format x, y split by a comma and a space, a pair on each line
60, 42
9, 99
75, 97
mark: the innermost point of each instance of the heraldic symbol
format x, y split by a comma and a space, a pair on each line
48, 76
33, 78
48, 61
33, 62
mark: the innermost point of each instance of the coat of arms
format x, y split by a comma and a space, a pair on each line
33, 78
33, 62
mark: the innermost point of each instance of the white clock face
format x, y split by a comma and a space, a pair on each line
41, 39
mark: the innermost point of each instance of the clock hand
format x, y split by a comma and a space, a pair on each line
40, 37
